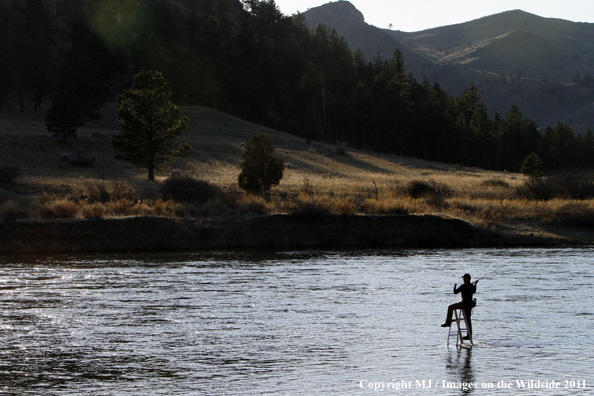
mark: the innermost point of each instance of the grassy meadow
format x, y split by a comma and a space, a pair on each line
319, 179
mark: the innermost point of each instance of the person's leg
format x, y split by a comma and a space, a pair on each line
450, 313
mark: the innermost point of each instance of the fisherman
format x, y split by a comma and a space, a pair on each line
467, 289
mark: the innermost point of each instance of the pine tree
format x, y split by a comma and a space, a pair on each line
260, 170
150, 124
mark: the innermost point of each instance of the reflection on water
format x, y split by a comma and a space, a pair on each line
459, 370
298, 322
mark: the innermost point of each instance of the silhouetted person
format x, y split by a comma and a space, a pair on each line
467, 289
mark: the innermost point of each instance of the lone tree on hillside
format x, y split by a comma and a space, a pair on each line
64, 117
150, 124
260, 170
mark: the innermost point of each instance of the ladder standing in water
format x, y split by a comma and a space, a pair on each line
467, 289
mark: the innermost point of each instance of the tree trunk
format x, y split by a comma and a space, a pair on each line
151, 171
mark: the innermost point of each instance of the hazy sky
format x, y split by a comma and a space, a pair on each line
415, 15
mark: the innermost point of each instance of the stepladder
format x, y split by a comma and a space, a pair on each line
462, 328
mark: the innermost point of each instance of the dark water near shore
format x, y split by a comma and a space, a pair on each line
296, 323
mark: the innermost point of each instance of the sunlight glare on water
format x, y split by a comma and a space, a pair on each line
295, 322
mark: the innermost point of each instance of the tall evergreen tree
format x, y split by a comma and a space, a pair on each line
150, 124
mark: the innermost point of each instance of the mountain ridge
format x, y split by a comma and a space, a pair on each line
543, 65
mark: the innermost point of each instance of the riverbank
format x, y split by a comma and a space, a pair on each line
280, 231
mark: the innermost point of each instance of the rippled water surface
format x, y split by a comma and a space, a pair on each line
296, 323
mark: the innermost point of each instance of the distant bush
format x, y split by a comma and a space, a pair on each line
536, 189
346, 208
425, 189
187, 189
110, 191
254, 204
569, 185
8, 174
98, 192
59, 209
304, 208
437, 201
93, 211
45, 197
121, 190
11, 211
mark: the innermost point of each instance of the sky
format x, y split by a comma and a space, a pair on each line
415, 15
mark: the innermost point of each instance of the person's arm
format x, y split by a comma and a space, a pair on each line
456, 291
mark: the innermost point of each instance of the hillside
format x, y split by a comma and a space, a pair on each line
217, 141
319, 179
514, 58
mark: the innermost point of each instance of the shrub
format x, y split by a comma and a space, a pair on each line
307, 188
437, 201
93, 211
179, 210
537, 189
305, 208
11, 211
8, 174
98, 192
187, 189
45, 197
106, 192
58, 209
346, 208
121, 190
256, 204
568, 185
123, 207
424, 189
576, 184
260, 170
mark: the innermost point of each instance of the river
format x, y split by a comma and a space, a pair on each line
308, 322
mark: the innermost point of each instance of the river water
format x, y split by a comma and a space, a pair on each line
296, 323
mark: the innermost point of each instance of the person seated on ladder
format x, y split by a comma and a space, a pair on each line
467, 289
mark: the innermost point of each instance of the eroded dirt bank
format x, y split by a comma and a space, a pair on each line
157, 233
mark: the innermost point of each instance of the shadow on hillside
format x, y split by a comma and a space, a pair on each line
335, 164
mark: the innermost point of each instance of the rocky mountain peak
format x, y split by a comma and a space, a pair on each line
335, 14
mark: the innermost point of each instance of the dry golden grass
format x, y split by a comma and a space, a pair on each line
318, 179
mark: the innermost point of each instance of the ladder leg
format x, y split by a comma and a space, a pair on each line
459, 339
468, 332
